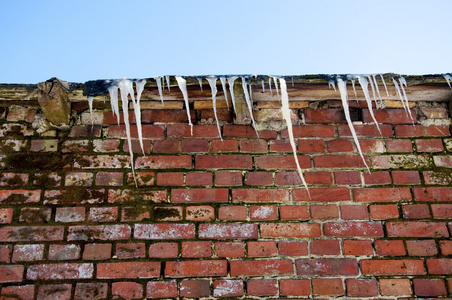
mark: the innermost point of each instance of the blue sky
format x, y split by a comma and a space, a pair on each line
82, 40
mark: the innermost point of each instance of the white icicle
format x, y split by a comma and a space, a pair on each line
158, 79
286, 116
292, 82
378, 90
342, 85
354, 87
200, 82
167, 81
263, 86
182, 83
332, 83
364, 86
384, 83
448, 79
213, 86
402, 84
373, 91
137, 109
90, 104
248, 103
231, 80
113, 91
223, 85
270, 85
399, 92
276, 85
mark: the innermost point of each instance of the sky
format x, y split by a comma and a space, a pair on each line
83, 40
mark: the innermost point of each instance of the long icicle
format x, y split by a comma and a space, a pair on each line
364, 86
448, 79
90, 104
399, 93
377, 105
402, 81
378, 90
182, 83
113, 92
140, 87
248, 103
286, 116
158, 80
384, 83
213, 86
231, 80
223, 85
167, 81
342, 85
200, 82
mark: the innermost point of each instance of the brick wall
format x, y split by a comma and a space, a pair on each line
229, 218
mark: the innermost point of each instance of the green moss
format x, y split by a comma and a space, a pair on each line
161, 213
37, 161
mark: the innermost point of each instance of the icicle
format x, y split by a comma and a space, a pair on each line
399, 92
126, 88
286, 116
231, 80
182, 83
373, 91
403, 83
90, 104
113, 91
364, 85
167, 81
378, 91
332, 83
158, 79
140, 87
223, 85
448, 79
263, 86
354, 88
384, 83
213, 86
292, 82
276, 85
200, 82
342, 85
270, 85
248, 102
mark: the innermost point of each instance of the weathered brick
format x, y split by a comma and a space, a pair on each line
327, 266
416, 229
361, 287
228, 178
98, 232
130, 250
325, 247
103, 214
263, 212
430, 145
231, 161
199, 178
419, 131
377, 178
384, 212
246, 131
293, 248
310, 146
199, 131
19, 196
5, 253
382, 194
322, 194
170, 179
372, 146
262, 287
196, 268
260, 195
324, 212
13, 179
406, 177
394, 146
395, 287
442, 211
106, 146
6, 215
91, 291
390, 116
64, 252
294, 212
195, 288
55, 291
21, 114
11, 273
230, 249
339, 146
397, 161
161, 289
109, 178
122, 196
262, 249
439, 266
164, 231
70, 214
22, 292
437, 178
389, 247
392, 267
31, 233
232, 213
199, 213
267, 267
284, 162
433, 194
347, 177
28, 252
196, 249
421, 248
366, 130
163, 162
259, 178
227, 231
127, 290
290, 230
97, 252
280, 146
166, 146
165, 116
429, 287
60, 271
135, 213
330, 286
146, 269
228, 288
354, 212
415, 211
199, 195
148, 131
357, 247
340, 161
163, 250
352, 229
195, 146
44, 145
102, 161
446, 247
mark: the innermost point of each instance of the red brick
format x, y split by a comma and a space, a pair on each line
262, 287
280, 146
102, 161
199, 131
44, 145
392, 267
406, 177
322, 194
446, 247
325, 247
442, 211
91, 291
357, 247
21, 114
22, 292
109, 178
106, 145
340, 161
259, 178
11, 273
311, 146
327, 266
394, 146
443, 161
431, 145
111, 118
136, 146
306, 131
103, 214
64, 252
170, 179
372, 146
361, 287
420, 131
122, 196
389, 248
227, 231
19, 196
292, 178
433, 194
324, 212
366, 131
99, 232
377, 178
325, 116
199, 178
31, 233
330, 286
196, 268
384, 212
390, 116
161, 289
199, 195
195, 146
5, 253
196, 249
354, 212
421, 248
55, 291
127, 290
224, 146
6, 215
163, 250
232, 213
415, 211
135, 213
195, 288
266, 267
199, 213
230, 249
261, 213
290, 230
28, 252
416, 229
439, 266
128, 270
429, 287
228, 178
293, 248
232, 161
148, 131
395, 287
163, 162
294, 212
260, 195
262, 249
97, 252
228, 288
35, 215
246, 131
164, 231
284, 162
165, 115
339, 146
347, 177
166, 146
74, 197
78, 179
130, 251
295, 287
382, 194
60, 271
253, 146
353, 229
